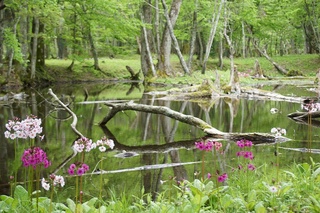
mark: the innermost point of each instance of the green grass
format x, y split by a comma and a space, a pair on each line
115, 68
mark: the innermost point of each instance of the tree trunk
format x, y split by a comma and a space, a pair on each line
40, 48
243, 41
165, 48
34, 48
193, 35
93, 51
234, 78
215, 21
174, 39
147, 66
1, 33
157, 28
12, 51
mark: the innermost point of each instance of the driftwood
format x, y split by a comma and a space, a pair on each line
189, 119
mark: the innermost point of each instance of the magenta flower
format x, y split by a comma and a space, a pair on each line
244, 143
78, 168
35, 156
208, 146
223, 177
248, 155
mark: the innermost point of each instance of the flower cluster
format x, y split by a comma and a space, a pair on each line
223, 177
82, 144
103, 143
208, 146
278, 131
242, 144
78, 168
311, 106
27, 128
57, 180
35, 156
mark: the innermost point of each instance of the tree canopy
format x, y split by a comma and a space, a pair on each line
33, 31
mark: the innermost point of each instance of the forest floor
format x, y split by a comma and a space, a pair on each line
115, 69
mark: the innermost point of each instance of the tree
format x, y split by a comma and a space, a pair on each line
164, 65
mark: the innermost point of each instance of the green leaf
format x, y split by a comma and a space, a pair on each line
21, 193
259, 208
226, 201
71, 204
315, 174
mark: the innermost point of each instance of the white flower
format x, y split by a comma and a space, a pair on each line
110, 143
102, 148
283, 131
58, 179
274, 130
273, 189
45, 185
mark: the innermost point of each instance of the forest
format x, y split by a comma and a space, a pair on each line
32, 32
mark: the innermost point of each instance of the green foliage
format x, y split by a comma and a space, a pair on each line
11, 42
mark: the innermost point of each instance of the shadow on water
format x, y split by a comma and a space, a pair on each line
149, 148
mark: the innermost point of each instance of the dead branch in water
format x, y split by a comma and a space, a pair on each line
189, 119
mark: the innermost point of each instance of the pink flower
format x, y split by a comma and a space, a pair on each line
78, 168
35, 156
103, 143
223, 177
209, 175
251, 167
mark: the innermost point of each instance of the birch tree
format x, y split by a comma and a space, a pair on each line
215, 21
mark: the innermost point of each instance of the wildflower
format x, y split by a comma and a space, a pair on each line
29, 127
208, 146
82, 144
248, 155
78, 168
58, 180
103, 143
278, 131
244, 143
209, 175
223, 177
273, 189
35, 156
274, 110
45, 184
251, 167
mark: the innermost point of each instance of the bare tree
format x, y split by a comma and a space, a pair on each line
215, 21
165, 47
174, 39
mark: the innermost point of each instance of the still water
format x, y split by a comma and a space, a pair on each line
149, 148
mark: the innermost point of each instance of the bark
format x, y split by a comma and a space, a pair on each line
165, 49
1, 34
258, 72
234, 78
147, 66
93, 51
215, 21
157, 28
148, 57
193, 36
40, 48
34, 48
12, 51
174, 39
194, 121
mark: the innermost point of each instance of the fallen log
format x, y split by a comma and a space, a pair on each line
189, 119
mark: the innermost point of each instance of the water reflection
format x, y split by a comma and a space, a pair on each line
157, 139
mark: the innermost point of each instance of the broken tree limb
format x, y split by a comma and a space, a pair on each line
189, 119
75, 119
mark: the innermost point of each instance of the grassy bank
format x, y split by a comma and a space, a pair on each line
115, 68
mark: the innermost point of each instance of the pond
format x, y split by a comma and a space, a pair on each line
150, 149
